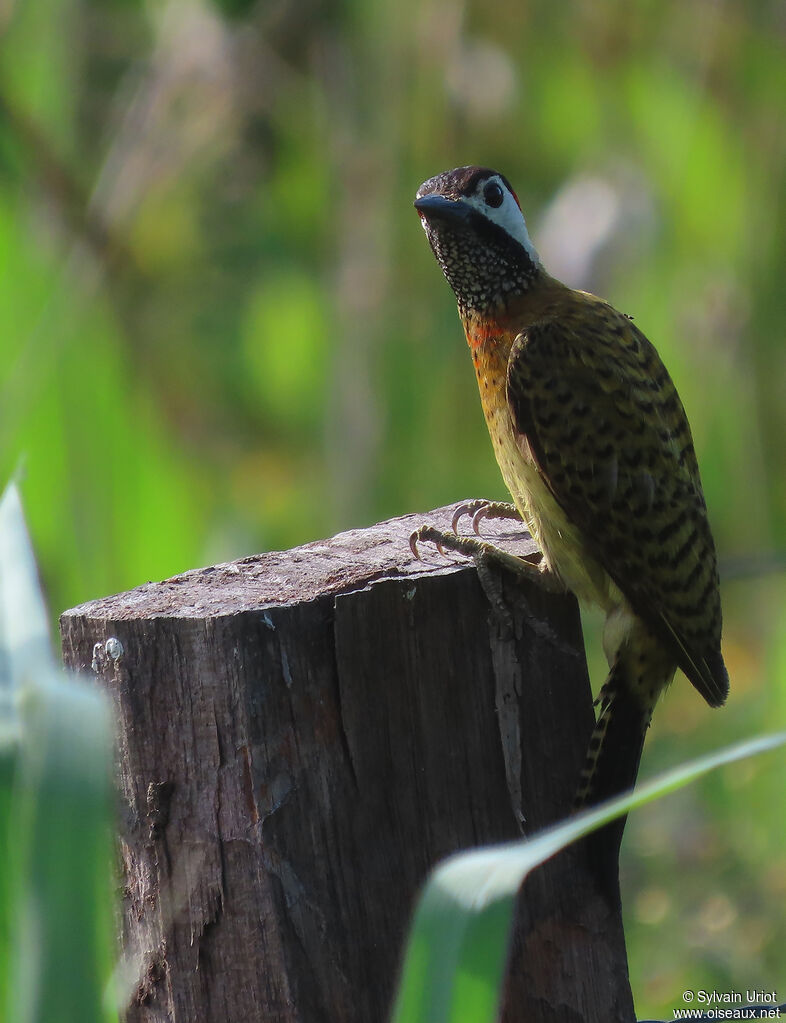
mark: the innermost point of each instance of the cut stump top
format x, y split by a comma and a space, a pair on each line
345, 562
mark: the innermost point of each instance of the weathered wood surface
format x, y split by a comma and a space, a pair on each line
301, 736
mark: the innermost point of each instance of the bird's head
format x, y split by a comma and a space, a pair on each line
475, 226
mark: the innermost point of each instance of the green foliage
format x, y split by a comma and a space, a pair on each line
222, 330
284, 347
55, 810
456, 953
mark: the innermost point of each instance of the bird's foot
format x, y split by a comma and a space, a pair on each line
488, 559
482, 509
485, 554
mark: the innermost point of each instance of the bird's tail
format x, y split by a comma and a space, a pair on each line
613, 756
614, 751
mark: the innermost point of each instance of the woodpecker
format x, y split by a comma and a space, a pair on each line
595, 448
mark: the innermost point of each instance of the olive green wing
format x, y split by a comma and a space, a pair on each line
595, 406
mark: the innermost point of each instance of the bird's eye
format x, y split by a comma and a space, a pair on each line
493, 194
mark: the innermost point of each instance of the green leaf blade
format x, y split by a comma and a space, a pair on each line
56, 926
456, 955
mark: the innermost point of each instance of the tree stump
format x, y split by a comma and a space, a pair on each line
301, 737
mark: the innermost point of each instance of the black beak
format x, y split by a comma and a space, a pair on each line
438, 207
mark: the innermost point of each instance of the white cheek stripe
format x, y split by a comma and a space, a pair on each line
508, 216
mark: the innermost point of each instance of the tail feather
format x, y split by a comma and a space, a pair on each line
611, 767
615, 746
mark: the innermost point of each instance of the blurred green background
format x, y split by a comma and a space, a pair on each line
223, 332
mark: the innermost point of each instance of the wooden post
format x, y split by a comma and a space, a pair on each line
301, 736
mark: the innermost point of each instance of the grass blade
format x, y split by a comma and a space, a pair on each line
456, 953
55, 810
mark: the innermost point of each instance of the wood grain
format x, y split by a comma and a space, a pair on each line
301, 737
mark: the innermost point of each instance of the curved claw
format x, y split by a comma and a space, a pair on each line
463, 509
478, 517
467, 508
425, 533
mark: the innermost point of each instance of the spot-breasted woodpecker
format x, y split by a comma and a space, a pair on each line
596, 451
